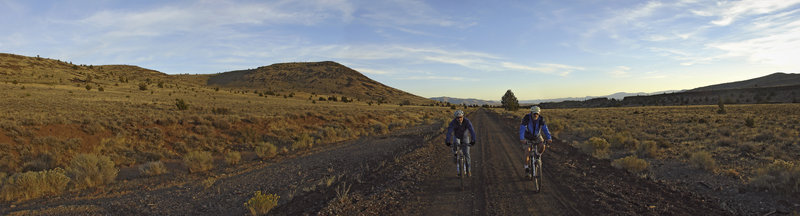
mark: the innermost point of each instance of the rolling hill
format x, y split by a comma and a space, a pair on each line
468, 101
772, 80
328, 78
321, 78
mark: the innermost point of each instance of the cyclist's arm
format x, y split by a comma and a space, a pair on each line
471, 130
522, 127
449, 131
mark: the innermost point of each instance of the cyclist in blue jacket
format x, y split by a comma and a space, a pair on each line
459, 127
531, 129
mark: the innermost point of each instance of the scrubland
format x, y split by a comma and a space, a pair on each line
48, 121
756, 145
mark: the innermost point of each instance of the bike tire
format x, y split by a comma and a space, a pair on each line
538, 178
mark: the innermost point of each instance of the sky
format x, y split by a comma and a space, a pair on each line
455, 48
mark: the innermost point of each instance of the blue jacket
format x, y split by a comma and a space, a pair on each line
459, 130
529, 129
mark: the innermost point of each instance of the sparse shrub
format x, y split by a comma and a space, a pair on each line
726, 142
221, 124
220, 111
89, 170
303, 142
143, 86
631, 164
208, 182
181, 104
379, 127
703, 160
647, 149
88, 87
198, 161
233, 157
202, 129
261, 204
749, 122
31, 185
152, 168
266, 150
596, 146
779, 176
623, 140
731, 172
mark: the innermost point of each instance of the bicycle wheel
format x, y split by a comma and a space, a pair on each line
537, 177
462, 171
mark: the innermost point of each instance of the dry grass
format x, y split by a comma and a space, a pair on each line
152, 168
779, 176
596, 146
88, 170
261, 204
746, 139
49, 117
631, 164
233, 157
198, 161
31, 185
702, 160
266, 150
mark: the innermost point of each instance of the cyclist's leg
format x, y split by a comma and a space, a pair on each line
526, 148
456, 143
465, 150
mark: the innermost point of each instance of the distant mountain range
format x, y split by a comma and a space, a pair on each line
774, 88
618, 96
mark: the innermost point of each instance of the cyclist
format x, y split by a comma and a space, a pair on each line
458, 127
531, 129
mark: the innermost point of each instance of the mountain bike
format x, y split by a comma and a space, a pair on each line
461, 164
535, 164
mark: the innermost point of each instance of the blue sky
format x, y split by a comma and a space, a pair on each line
465, 49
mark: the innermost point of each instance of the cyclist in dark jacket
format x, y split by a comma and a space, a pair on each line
531, 129
459, 127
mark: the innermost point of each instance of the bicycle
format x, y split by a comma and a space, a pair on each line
461, 165
535, 164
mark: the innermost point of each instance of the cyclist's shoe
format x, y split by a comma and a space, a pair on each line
459, 174
469, 174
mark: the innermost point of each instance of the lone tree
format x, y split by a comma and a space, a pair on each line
510, 102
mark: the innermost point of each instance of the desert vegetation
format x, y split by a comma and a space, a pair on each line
759, 143
54, 112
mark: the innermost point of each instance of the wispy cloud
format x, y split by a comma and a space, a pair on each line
546, 68
620, 71
728, 12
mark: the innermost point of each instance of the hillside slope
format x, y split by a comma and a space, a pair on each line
772, 80
327, 78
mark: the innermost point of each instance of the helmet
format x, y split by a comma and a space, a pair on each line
535, 109
458, 113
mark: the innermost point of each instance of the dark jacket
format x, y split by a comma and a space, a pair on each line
530, 129
459, 129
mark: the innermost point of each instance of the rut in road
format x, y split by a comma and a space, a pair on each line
498, 185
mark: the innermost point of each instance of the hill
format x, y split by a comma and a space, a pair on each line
772, 80
468, 101
326, 78
317, 78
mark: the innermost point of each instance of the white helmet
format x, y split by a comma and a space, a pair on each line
535, 109
458, 113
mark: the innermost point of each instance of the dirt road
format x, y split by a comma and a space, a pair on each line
574, 184
406, 172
